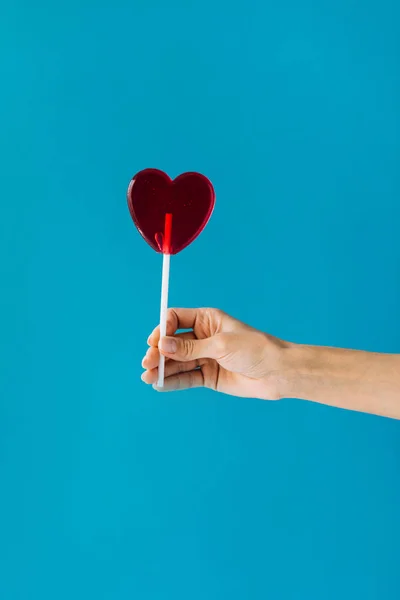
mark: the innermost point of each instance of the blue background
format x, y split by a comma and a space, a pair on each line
108, 489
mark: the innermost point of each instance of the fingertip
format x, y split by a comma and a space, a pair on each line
145, 360
153, 338
149, 376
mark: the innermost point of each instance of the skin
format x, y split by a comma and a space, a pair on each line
223, 354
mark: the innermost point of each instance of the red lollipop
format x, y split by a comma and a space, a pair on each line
169, 215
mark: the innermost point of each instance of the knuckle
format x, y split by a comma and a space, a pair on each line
172, 317
191, 379
181, 382
219, 315
180, 367
187, 348
215, 319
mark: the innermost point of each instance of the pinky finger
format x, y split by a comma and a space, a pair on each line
182, 381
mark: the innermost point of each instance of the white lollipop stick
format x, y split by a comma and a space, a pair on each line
163, 314
164, 293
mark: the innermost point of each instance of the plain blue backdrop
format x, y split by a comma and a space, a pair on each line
109, 490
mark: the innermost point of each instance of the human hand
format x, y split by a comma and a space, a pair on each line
218, 352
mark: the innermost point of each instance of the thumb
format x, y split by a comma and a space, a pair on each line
186, 349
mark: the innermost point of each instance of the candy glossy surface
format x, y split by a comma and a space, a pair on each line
189, 198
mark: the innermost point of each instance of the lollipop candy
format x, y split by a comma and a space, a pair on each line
169, 214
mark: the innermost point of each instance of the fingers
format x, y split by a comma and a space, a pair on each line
183, 381
171, 368
187, 349
152, 356
179, 381
177, 318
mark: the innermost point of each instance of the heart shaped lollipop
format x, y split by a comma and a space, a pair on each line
169, 215
189, 198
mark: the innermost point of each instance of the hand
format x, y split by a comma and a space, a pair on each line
218, 352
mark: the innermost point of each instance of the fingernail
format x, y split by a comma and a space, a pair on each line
168, 345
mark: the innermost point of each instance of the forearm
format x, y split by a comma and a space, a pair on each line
361, 381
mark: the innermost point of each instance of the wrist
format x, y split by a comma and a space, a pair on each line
297, 364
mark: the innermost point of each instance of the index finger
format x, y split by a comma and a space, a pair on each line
177, 318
